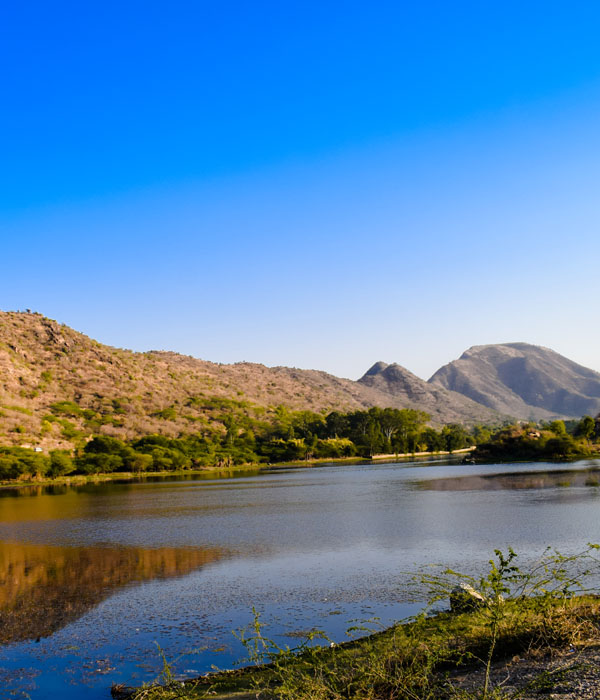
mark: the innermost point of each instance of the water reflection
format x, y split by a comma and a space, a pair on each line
60, 489
43, 588
515, 481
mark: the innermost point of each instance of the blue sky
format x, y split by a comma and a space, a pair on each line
319, 185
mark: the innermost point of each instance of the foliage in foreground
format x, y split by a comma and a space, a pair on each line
548, 606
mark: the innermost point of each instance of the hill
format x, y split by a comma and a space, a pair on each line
58, 386
526, 381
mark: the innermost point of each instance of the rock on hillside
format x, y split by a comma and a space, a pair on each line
412, 392
523, 380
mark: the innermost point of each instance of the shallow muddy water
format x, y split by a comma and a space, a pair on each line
94, 578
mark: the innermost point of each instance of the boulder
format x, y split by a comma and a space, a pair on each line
464, 598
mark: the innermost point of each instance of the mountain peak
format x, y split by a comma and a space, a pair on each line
507, 348
523, 380
377, 368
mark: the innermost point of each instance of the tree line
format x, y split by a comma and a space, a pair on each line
235, 436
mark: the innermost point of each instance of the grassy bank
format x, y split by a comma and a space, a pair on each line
418, 661
447, 655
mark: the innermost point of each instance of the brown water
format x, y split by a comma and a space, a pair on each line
92, 577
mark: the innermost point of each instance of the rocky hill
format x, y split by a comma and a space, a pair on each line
57, 386
443, 405
526, 381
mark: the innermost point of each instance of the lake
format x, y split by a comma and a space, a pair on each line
96, 578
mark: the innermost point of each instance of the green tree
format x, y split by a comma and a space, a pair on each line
337, 425
137, 461
455, 437
562, 446
391, 420
18, 461
98, 463
586, 428
103, 444
373, 439
432, 440
481, 434
61, 463
558, 427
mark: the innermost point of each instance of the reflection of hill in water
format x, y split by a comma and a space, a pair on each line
527, 480
43, 588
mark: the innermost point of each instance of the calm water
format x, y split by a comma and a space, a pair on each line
93, 578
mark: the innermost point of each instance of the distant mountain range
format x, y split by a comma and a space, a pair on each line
515, 379
57, 385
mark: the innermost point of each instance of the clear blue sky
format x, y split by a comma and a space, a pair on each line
316, 184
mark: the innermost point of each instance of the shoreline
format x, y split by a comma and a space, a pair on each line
518, 458
82, 479
256, 468
463, 450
